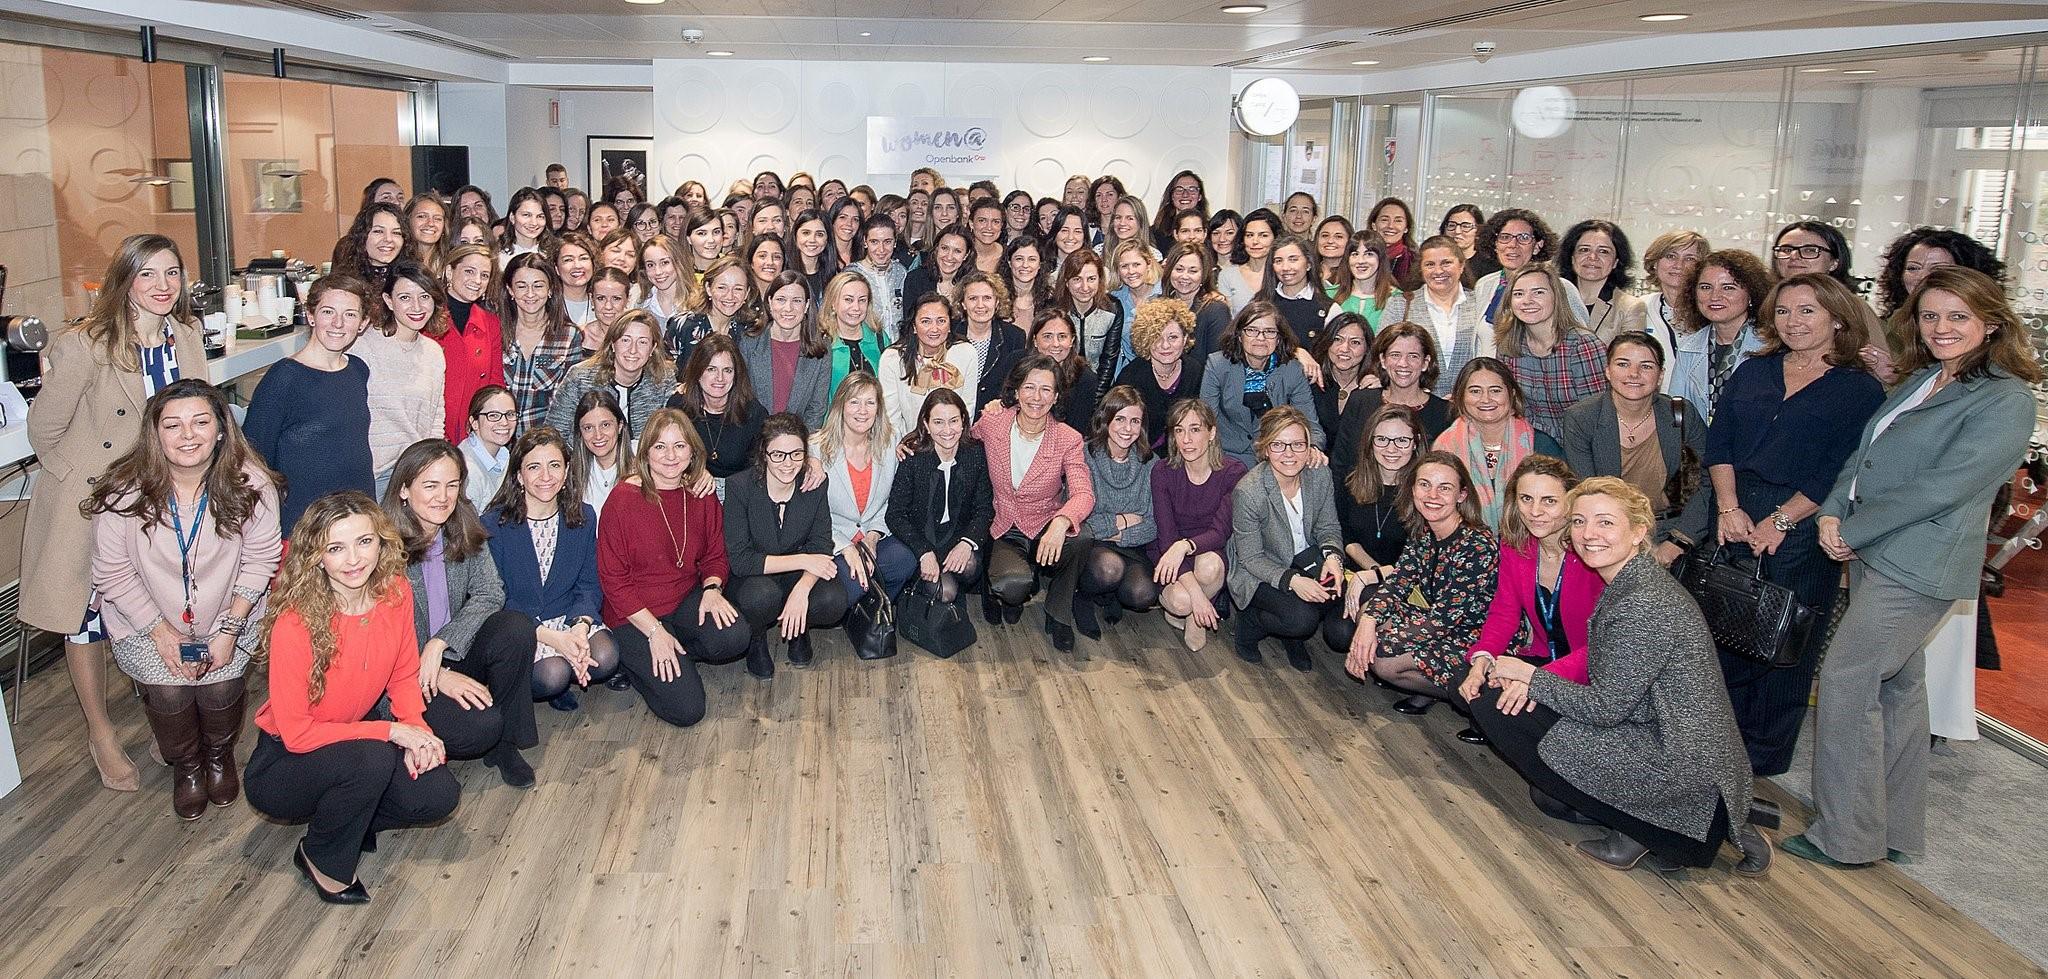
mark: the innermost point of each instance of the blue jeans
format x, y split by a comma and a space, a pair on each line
894, 567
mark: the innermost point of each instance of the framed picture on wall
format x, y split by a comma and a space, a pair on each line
619, 156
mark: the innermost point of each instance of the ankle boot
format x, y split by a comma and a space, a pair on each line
177, 733
219, 729
1084, 616
759, 663
1616, 850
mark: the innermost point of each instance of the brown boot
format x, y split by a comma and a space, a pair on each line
219, 728
177, 733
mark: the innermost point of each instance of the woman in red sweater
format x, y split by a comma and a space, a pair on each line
340, 640
661, 563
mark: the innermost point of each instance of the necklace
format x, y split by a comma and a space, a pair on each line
1633, 433
716, 434
673, 542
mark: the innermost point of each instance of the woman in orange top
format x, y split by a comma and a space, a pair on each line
340, 640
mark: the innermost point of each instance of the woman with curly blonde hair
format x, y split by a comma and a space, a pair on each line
340, 639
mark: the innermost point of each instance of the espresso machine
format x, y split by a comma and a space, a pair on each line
22, 339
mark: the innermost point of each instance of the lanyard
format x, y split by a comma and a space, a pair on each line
1546, 607
185, 545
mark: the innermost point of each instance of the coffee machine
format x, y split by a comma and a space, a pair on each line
22, 339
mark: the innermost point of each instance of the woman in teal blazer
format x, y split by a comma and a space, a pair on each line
1908, 512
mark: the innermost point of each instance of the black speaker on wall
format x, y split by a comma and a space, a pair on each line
442, 169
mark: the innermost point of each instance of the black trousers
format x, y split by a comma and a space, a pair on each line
1770, 702
500, 658
345, 791
1515, 739
680, 701
1282, 614
1014, 574
760, 599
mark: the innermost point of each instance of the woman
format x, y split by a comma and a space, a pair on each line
1043, 496
1074, 193
426, 219
1670, 261
1127, 222
1601, 262
945, 210
941, 502
1344, 357
309, 419
1137, 273
578, 205
339, 641
1787, 422
604, 452
997, 343
879, 267
1404, 361
1244, 277
476, 658
1454, 315
1298, 212
927, 357
1190, 228
1646, 747
944, 264
1812, 247
778, 539
1727, 288
1907, 514
1555, 360
1332, 239
526, 226
408, 375
1461, 224
726, 306
575, 266
543, 542
541, 345
1026, 287
810, 241
1906, 263
917, 210
1184, 194
644, 221
557, 203
1165, 370
856, 448
669, 287
1362, 283
1509, 240
852, 326
632, 366
1189, 275
623, 192
473, 346
786, 357
375, 240
1103, 193
843, 220
1643, 436
493, 424
1115, 573
717, 393
603, 221
1413, 632
1297, 291
1490, 433
1191, 490
1069, 237
184, 544
661, 564
620, 250
1017, 205
1544, 597
766, 258
799, 198
1286, 553
985, 222
1220, 237
1256, 370
1370, 510
1096, 318
1053, 336
1394, 225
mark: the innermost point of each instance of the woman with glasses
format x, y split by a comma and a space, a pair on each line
1183, 195
1509, 240
1254, 372
778, 540
1811, 248
1461, 224
1286, 547
1370, 505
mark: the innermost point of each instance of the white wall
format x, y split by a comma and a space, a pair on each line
473, 114
1141, 124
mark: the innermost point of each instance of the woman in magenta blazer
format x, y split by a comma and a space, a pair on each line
1541, 582
1043, 495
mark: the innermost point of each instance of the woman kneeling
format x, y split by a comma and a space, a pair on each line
778, 537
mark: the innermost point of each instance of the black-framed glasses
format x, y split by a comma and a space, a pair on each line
1260, 333
1518, 237
780, 456
1396, 441
1461, 226
1802, 251
495, 417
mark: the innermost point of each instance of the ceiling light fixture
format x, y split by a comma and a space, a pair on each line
718, 54
1662, 18
1366, 63
647, 2
867, 33
1815, 71
1094, 58
1244, 8
1859, 71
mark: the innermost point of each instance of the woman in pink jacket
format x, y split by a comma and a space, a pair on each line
1043, 494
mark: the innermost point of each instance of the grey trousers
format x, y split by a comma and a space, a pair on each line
1870, 724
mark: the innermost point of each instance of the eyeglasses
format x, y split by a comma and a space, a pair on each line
1260, 333
1185, 192
1460, 226
1519, 237
1287, 448
1803, 251
495, 417
1020, 207
779, 457
1397, 441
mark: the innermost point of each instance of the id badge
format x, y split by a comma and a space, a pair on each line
191, 652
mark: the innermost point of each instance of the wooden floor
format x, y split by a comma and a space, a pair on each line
1132, 810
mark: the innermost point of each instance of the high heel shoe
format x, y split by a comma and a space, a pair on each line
117, 779
1084, 617
354, 893
1415, 704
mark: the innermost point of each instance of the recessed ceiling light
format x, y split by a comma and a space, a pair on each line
718, 54
646, 2
1661, 18
867, 33
1096, 57
380, 24
1244, 8
1859, 71
1366, 63
1815, 71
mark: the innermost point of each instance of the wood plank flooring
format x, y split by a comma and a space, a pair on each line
1131, 810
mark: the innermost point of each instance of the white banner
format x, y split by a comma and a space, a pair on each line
952, 144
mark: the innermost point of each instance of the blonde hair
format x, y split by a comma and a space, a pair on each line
832, 437
110, 324
1633, 503
1671, 241
828, 307
662, 421
1509, 332
1144, 250
1151, 319
303, 588
659, 365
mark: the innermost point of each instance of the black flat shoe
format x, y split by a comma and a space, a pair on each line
991, 609
1062, 634
1414, 705
354, 893
1756, 851
1471, 735
1297, 655
1550, 806
1247, 648
1012, 614
618, 681
511, 766
1084, 617
760, 665
565, 701
800, 650
1112, 612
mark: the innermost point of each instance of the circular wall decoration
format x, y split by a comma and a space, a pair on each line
772, 100
703, 106
1543, 112
1045, 105
1267, 107
836, 108
1121, 112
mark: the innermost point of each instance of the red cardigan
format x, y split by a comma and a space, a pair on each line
476, 360
1514, 601
371, 659
636, 557
1033, 505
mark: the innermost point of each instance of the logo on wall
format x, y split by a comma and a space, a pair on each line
957, 145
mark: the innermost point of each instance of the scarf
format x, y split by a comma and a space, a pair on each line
1490, 482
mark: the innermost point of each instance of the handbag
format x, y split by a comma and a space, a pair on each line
939, 627
871, 622
1750, 618
1685, 480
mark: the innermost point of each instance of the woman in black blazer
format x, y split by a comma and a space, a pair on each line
998, 342
778, 540
941, 505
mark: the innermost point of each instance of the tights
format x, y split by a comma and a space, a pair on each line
1120, 571
950, 585
553, 676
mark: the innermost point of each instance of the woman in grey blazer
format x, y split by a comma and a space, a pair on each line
476, 657
1595, 445
1648, 746
1454, 316
805, 393
633, 361
1286, 568
1908, 515
1257, 370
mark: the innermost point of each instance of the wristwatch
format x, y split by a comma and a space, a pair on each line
1780, 521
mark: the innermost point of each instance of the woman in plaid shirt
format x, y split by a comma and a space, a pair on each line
1555, 359
540, 344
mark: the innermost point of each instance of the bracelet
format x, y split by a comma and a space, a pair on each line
1724, 511
233, 625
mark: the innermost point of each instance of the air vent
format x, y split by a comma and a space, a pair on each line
1477, 15
453, 43
1287, 55
319, 8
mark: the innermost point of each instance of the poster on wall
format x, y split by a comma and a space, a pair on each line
619, 156
955, 145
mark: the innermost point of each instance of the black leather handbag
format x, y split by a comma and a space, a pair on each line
871, 622
940, 627
1751, 618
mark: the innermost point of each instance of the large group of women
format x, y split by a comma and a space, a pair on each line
611, 441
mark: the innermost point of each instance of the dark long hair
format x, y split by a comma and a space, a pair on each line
463, 536
509, 502
919, 438
1114, 400
1468, 511
138, 484
350, 255
110, 325
1367, 479
690, 389
1967, 251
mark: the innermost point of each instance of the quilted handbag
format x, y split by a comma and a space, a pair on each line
1750, 617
